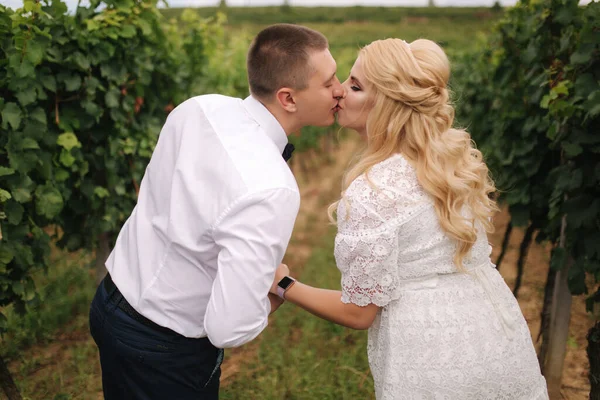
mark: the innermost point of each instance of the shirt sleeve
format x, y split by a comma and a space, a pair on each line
252, 236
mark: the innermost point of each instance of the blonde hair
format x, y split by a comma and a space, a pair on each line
411, 115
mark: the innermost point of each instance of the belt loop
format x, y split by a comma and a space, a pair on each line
113, 287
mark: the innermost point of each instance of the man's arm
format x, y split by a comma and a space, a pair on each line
253, 236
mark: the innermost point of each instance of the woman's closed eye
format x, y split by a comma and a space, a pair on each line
355, 88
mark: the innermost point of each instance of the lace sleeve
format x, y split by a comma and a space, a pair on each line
368, 265
369, 218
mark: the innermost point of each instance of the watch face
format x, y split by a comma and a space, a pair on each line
285, 282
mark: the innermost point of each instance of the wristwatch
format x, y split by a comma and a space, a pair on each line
284, 284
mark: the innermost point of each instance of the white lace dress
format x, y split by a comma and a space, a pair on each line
440, 334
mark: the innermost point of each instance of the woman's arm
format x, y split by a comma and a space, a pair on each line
326, 304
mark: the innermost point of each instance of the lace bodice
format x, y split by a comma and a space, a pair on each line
392, 219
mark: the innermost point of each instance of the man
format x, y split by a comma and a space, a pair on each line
192, 266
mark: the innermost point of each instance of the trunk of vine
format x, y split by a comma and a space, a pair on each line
7, 383
102, 253
544, 334
505, 242
593, 352
560, 319
523, 250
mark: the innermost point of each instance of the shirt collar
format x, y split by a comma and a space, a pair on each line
267, 121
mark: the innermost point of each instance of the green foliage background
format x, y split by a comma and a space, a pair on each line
531, 98
83, 99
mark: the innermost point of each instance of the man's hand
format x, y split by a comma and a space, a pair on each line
276, 302
282, 271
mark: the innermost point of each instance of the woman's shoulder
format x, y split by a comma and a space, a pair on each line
394, 173
385, 196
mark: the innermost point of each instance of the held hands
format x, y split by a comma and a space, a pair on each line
282, 271
275, 300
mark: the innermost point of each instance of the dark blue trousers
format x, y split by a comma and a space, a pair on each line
142, 363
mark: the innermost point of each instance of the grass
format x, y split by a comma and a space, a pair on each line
65, 291
304, 357
49, 348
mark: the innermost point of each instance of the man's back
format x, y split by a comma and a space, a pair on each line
216, 160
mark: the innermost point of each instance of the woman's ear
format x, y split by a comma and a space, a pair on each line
285, 98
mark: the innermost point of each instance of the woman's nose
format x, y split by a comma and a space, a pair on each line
339, 92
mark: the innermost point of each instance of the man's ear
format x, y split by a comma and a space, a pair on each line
286, 100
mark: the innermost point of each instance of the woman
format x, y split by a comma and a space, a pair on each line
412, 244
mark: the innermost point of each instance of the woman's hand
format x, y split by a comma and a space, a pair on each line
276, 302
282, 271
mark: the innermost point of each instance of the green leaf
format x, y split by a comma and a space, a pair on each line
27, 96
22, 191
49, 201
101, 192
558, 258
92, 25
572, 149
66, 158
592, 104
26, 69
38, 115
22, 195
6, 254
92, 108
114, 72
30, 292
519, 215
17, 287
4, 196
14, 212
61, 175
128, 31
81, 61
49, 82
576, 279
68, 140
6, 171
29, 144
585, 85
581, 57
72, 83
112, 97
11, 114
35, 52
561, 88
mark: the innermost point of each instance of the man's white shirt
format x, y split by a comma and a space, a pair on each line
214, 216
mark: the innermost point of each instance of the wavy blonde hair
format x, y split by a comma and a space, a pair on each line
411, 115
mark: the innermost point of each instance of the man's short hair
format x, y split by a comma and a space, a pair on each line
279, 57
